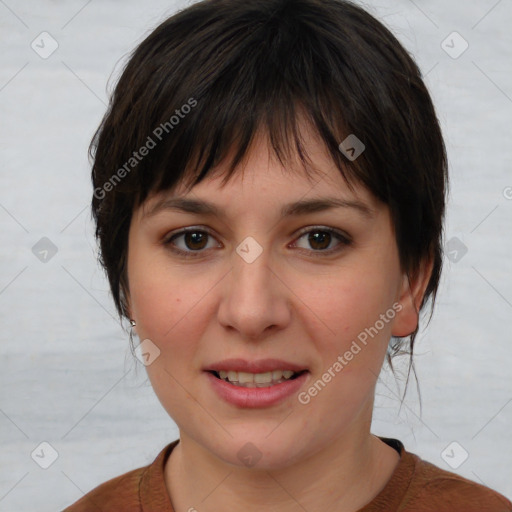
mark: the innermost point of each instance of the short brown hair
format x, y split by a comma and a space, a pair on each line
207, 78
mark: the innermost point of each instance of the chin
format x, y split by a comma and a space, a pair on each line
258, 452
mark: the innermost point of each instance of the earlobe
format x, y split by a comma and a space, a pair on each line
410, 298
129, 314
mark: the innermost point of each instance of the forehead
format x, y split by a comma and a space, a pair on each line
261, 175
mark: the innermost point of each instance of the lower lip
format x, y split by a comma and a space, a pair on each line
256, 397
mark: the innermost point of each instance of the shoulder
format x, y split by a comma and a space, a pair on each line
121, 491
131, 491
440, 490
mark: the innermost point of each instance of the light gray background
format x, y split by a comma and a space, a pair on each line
68, 377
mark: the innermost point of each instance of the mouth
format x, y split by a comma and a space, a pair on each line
249, 383
256, 384
256, 380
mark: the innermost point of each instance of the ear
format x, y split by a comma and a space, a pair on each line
411, 295
128, 314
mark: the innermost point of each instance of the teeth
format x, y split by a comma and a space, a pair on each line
245, 378
260, 378
252, 380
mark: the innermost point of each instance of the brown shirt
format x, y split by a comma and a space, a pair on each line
414, 486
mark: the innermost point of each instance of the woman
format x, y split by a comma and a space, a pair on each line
269, 193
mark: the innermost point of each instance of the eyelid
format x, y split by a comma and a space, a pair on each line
166, 241
178, 232
345, 236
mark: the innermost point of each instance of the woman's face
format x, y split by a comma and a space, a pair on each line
318, 290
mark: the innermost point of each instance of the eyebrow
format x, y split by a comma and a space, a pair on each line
303, 207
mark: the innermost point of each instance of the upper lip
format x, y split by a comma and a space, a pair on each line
257, 366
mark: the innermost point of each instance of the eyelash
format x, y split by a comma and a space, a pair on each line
343, 238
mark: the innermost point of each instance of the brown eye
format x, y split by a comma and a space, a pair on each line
320, 239
190, 241
195, 239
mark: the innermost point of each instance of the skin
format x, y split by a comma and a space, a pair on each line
291, 303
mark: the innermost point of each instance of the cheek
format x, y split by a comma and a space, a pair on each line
167, 307
351, 314
163, 306
161, 294
351, 339
172, 309
349, 301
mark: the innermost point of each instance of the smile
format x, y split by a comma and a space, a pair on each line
256, 380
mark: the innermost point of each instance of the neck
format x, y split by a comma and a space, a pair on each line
348, 474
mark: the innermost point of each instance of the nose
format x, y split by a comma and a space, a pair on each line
255, 300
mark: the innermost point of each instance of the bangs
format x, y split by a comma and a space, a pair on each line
264, 73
